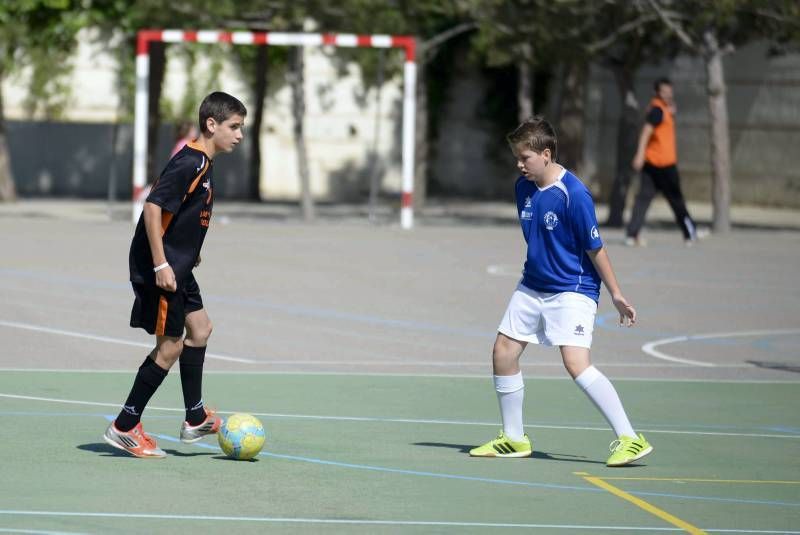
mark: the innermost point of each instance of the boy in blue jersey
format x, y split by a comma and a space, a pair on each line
164, 251
556, 301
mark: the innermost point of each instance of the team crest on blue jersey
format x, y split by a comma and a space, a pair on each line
550, 220
527, 202
595, 234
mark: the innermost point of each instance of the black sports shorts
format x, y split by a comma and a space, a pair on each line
163, 313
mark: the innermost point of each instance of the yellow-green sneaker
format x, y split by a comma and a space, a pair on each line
626, 449
503, 446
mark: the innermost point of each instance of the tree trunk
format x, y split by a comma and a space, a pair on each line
720, 144
7, 190
422, 144
570, 129
158, 62
555, 101
627, 141
375, 167
297, 81
524, 91
260, 93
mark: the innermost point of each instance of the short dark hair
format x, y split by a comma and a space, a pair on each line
659, 82
536, 134
220, 107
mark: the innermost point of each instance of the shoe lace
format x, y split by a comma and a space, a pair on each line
148, 440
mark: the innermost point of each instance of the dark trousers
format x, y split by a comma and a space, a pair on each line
667, 181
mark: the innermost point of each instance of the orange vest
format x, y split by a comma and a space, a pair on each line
661, 151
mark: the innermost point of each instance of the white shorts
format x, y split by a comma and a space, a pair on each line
551, 319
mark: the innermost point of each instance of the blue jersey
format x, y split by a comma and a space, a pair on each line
559, 225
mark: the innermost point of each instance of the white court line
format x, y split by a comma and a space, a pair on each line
500, 270
74, 334
38, 531
323, 520
481, 377
650, 347
360, 522
375, 362
401, 420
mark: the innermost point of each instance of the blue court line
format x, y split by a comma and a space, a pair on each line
488, 480
303, 311
791, 431
316, 312
394, 470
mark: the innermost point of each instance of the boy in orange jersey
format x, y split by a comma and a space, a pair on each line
657, 159
165, 249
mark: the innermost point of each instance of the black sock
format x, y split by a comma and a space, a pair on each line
191, 362
148, 379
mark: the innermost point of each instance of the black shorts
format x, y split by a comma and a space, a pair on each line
163, 313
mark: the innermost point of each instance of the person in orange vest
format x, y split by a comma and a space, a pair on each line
657, 160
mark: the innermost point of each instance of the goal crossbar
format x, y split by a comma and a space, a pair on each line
145, 37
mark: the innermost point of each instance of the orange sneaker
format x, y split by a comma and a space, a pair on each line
209, 426
136, 442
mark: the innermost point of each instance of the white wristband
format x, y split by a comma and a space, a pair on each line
160, 267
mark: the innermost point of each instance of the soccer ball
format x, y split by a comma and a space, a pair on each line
241, 436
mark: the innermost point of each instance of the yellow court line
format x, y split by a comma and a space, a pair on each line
699, 480
652, 509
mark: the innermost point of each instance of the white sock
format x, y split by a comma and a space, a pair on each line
510, 393
605, 397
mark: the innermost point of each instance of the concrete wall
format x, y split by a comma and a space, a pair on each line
348, 134
764, 114
78, 160
344, 144
468, 155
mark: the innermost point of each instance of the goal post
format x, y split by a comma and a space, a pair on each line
145, 37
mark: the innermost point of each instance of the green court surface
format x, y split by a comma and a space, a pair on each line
386, 454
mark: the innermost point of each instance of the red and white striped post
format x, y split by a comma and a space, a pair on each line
281, 39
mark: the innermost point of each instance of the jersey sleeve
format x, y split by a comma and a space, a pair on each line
655, 116
170, 189
584, 221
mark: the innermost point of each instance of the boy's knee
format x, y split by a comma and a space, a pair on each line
503, 350
199, 332
168, 352
203, 334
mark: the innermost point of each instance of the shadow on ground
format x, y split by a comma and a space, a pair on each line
535, 455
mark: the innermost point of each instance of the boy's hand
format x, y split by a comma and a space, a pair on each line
627, 314
165, 279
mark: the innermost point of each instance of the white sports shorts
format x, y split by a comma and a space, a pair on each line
551, 319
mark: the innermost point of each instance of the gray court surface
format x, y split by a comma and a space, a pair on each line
365, 350
341, 295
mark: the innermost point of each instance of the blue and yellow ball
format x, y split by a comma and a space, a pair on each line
241, 436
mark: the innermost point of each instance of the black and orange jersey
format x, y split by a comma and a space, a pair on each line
185, 193
661, 150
